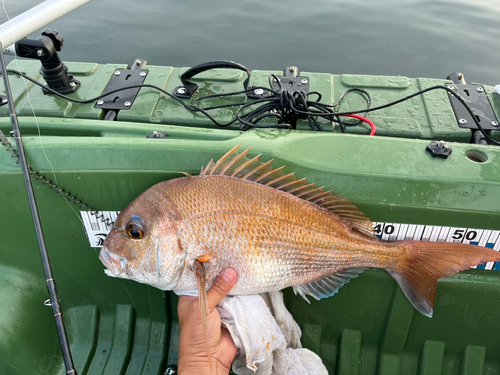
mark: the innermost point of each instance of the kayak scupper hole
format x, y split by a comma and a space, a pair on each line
476, 156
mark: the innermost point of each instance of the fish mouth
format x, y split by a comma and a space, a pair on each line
115, 264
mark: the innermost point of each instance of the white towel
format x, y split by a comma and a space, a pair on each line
267, 336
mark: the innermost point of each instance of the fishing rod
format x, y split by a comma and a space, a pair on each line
10, 33
49, 278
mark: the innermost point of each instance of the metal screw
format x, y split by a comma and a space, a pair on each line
117, 73
494, 123
462, 121
6, 50
72, 84
480, 89
460, 76
441, 144
128, 104
11, 133
40, 52
47, 303
100, 102
181, 90
304, 81
143, 74
292, 69
451, 87
258, 91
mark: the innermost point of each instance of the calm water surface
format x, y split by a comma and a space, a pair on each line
418, 38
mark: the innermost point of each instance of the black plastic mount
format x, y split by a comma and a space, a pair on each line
477, 100
122, 100
53, 71
291, 81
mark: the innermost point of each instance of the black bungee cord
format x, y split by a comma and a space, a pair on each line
49, 278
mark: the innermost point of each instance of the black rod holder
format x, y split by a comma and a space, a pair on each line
54, 71
49, 278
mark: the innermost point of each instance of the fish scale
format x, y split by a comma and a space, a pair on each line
300, 236
274, 230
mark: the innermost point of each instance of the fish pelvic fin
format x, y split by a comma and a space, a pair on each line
238, 165
425, 262
201, 273
328, 286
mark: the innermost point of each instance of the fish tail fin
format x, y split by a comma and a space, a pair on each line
200, 273
423, 263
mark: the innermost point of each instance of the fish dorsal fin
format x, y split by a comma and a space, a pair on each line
328, 286
238, 165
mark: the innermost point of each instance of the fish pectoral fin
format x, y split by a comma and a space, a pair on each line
201, 274
328, 286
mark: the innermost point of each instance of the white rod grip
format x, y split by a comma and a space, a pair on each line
30, 21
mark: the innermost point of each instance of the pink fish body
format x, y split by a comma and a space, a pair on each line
274, 230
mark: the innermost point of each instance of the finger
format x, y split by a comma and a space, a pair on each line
221, 287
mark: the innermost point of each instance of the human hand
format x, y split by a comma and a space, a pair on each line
192, 349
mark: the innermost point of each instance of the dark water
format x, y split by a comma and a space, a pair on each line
418, 38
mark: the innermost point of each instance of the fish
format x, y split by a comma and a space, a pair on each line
275, 230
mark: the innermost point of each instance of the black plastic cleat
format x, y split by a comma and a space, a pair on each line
439, 149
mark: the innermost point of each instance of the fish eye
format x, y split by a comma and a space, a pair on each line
134, 230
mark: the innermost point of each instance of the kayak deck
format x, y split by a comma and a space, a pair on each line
118, 326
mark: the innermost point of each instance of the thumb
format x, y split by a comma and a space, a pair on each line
221, 287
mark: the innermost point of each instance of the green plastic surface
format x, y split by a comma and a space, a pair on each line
428, 117
121, 327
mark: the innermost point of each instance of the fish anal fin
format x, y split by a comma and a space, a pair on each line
327, 286
201, 273
423, 263
238, 165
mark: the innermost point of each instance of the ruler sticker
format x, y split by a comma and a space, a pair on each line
473, 236
97, 231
